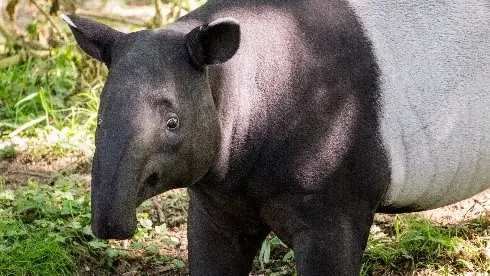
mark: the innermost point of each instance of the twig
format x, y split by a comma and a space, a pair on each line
21, 57
161, 216
178, 4
156, 20
9, 61
29, 173
470, 209
115, 18
48, 17
34, 45
4, 31
38, 53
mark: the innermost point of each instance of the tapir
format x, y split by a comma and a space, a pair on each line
301, 117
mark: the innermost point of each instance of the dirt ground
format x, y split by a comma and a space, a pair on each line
465, 210
20, 170
17, 171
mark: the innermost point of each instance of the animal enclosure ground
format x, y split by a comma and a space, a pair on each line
454, 242
45, 192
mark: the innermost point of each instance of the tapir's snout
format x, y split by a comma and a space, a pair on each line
107, 225
114, 231
114, 201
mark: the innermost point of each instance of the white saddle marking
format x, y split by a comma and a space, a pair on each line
434, 59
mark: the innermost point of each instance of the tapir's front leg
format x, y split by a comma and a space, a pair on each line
327, 238
220, 244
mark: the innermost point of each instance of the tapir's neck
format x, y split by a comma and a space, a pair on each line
410, 98
290, 114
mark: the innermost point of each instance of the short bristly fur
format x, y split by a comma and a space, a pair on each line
298, 117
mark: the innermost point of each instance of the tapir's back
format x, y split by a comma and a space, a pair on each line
434, 61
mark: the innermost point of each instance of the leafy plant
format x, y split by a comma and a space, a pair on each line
39, 226
25, 251
275, 258
413, 242
8, 151
40, 92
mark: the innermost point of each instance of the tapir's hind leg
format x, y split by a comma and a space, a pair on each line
218, 244
327, 238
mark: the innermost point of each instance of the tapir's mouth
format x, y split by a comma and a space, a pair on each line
110, 223
109, 226
152, 179
118, 232
148, 187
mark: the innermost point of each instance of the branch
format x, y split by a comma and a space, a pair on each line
29, 174
5, 32
9, 61
48, 17
158, 207
114, 18
22, 56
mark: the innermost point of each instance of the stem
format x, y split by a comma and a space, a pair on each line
48, 17
4, 31
29, 174
158, 207
9, 61
111, 18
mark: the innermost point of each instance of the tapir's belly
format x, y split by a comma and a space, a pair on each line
434, 61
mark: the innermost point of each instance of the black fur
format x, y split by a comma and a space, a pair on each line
283, 137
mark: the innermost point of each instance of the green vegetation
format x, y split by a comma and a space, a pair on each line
412, 243
48, 109
45, 230
44, 95
405, 245
40, 227
7, 152
49, 102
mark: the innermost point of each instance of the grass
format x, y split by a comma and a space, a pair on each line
45, 230
24, 252
39, 93
7, 151
413, 243
45, 225
48, 110
41, 113
407, 245
40, 227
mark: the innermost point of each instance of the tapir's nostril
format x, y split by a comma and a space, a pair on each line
152, 180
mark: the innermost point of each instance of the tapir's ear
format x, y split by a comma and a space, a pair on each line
214, 43
94, 38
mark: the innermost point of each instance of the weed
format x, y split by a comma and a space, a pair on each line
38, 227
39, 93
407, 245
275, 258
8, 152
45, 230
24, 251
412, 243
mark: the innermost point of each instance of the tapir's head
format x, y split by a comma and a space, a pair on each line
158, 126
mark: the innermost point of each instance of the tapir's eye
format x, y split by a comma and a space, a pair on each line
172, 123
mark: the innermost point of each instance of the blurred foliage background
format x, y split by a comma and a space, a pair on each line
49, 97
32, 27
44, 79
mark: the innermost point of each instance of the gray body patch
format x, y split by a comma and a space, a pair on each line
434, 61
